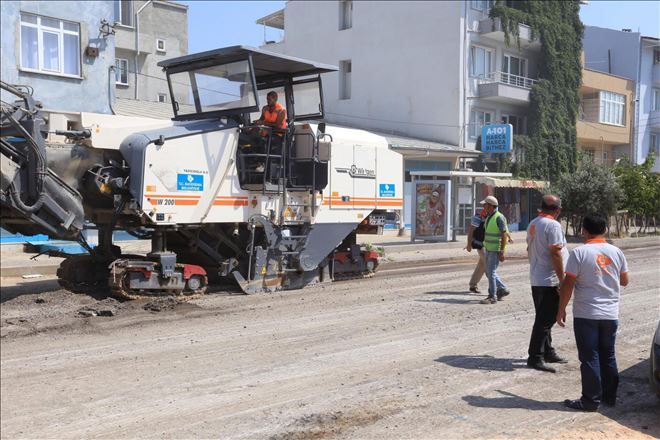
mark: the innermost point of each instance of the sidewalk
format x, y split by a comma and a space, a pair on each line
15, 263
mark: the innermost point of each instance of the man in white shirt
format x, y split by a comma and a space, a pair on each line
547, 254
594, 273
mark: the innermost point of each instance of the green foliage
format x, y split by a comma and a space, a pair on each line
641, 188
592, 188
554, 99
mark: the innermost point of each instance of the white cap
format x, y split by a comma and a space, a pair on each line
490, 200
435, 193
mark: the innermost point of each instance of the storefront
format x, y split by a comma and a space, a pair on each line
519, 199
443, 202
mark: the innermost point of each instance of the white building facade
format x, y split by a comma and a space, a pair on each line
430, 72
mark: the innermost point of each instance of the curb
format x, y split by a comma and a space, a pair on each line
19, 271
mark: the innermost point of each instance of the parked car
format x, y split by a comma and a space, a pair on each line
654, 374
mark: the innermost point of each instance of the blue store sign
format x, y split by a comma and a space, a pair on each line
497, 138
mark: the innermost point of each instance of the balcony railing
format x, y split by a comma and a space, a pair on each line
509, 79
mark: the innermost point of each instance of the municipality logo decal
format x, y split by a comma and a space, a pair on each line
190, 178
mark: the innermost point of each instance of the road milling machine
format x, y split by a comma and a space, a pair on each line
270, 208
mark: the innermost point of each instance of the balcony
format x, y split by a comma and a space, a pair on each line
505, 87
492, 28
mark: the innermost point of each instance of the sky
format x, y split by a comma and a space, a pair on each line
214, 24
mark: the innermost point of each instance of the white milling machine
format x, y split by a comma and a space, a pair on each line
278, 211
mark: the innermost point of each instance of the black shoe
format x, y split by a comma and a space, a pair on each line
578, 405
541, 366
555, 359
488, 300
475, 290
501, 293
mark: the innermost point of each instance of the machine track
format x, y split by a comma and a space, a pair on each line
353, 276
117, 282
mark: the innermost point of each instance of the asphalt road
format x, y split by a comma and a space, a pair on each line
406, 354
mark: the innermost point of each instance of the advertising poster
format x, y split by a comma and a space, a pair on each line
431, 216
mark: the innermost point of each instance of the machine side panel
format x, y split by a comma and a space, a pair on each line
341, 183
193, 180
389, 180
364, 176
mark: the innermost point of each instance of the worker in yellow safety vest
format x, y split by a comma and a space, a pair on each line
496, 238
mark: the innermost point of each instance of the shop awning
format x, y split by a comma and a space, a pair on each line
513, 183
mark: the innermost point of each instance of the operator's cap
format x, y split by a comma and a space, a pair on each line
490, 200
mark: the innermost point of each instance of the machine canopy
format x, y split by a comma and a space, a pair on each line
227, 81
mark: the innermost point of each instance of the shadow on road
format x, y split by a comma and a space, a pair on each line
485, 362
450, 300
449, 292
511, 401
637, 406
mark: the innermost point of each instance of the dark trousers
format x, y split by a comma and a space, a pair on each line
546, 303
595, 340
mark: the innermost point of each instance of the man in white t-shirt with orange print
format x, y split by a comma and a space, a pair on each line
547, 254
594, 273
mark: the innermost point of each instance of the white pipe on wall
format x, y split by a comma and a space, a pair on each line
137, 44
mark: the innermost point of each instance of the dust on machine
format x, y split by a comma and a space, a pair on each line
269, 207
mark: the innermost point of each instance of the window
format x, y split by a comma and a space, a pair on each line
654, 144
345, 14
121, 71
162, 97
224, 88
50, 45
125, 12
482, 5
612, 108
345, 68
478, 119
480, 61
514, 70
160, 45
656, 56
656, 100
517, 122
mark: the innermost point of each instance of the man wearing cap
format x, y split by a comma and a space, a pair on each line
547, 254
496, 238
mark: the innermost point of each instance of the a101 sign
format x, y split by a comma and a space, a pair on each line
497, 138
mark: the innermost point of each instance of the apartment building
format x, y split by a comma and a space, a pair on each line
62, 51
635, 57
428, 75
604, 127
147, 32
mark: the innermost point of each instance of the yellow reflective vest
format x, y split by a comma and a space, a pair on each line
493, 238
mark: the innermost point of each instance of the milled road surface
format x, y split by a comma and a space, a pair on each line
406, 354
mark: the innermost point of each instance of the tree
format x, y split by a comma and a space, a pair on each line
554, 99
592, 188
641, 189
